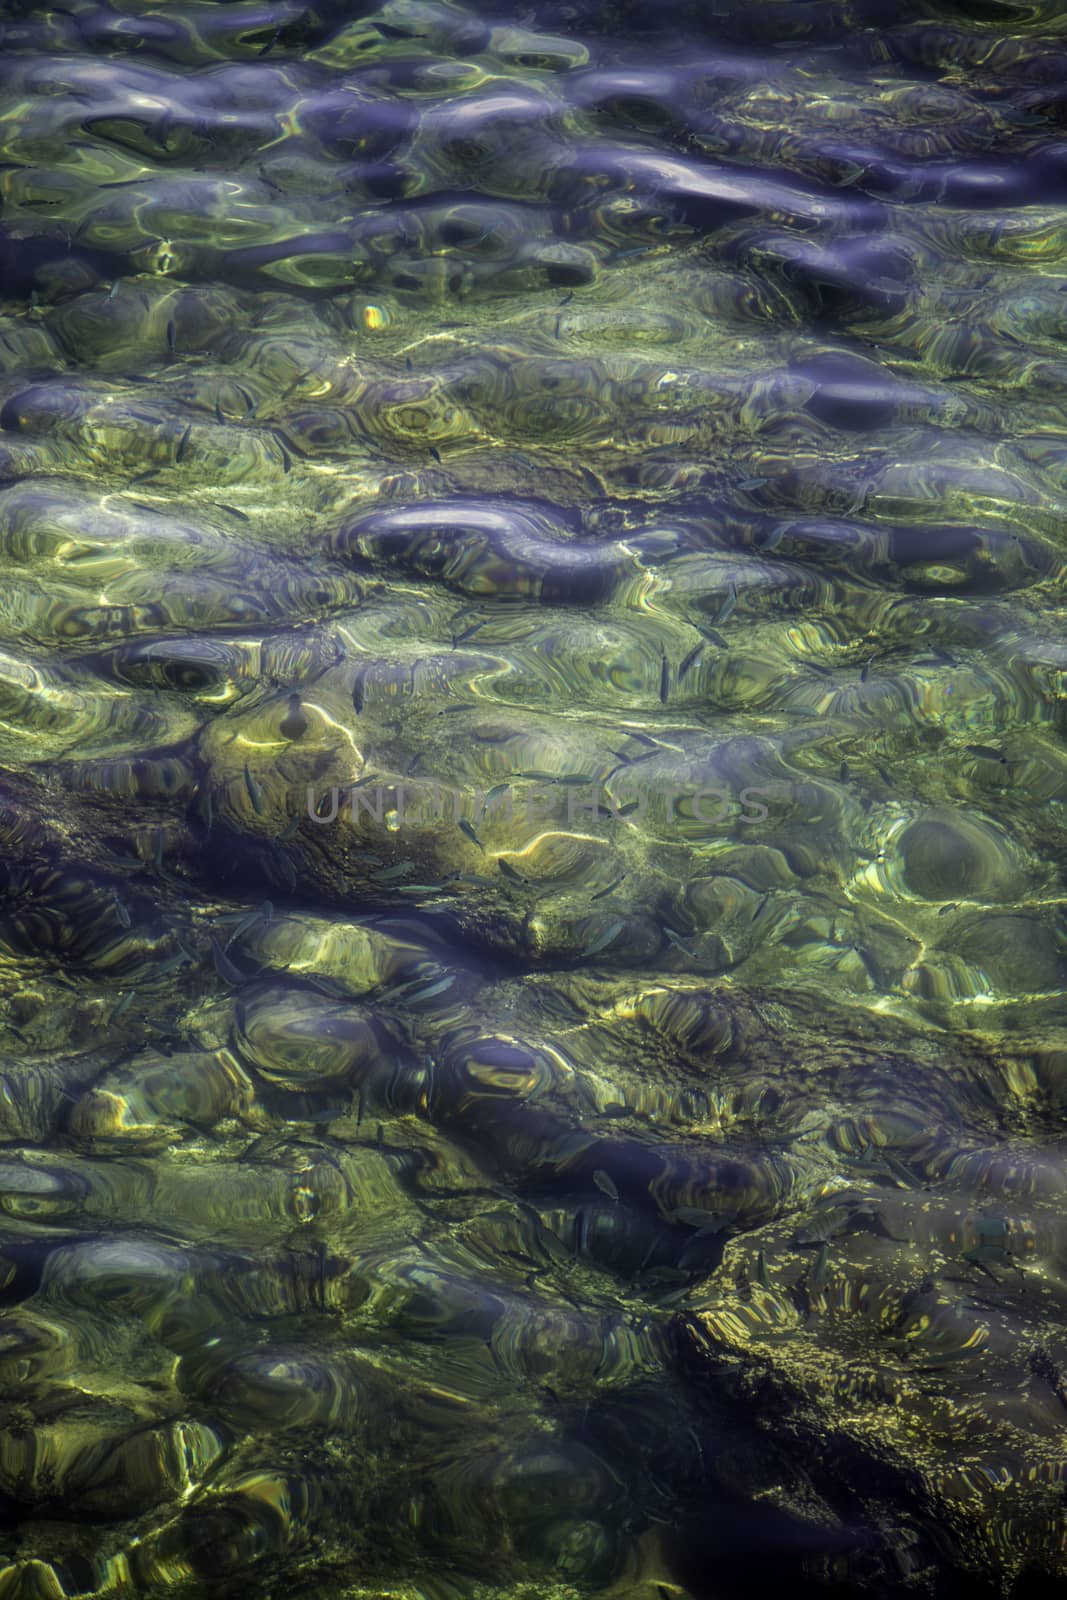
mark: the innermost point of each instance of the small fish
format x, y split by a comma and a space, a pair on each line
143, 477
727, 609
941, 1358
409, 364
509, 871
679, 943
494, 794
172, 337
953, 905
243, 925
552, 1245
902, 1173
664, 680
676, 1296
985, 1255
240, 515
716, 1224
693, 656
567, 298
715, 638
986, 751
359, 690
255, 794
605, 1184
125, 1001
172, 963
292, 827
762, 1275
628, 809
287, 461
223, 965
600, 894
435, 453
865, 671
179, 454
573, 780
122, 914
329, 986
434, 989
294, 724
113, 291
602, 940
817, 1278
403, 869
649, 1253
570, 780
466, 828
843, 775
773, 539
689, 1214
990, 1252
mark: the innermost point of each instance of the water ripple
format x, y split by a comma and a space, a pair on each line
532, 944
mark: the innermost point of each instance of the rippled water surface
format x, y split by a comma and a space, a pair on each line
533, 1053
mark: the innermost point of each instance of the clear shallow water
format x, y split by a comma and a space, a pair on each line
532, 689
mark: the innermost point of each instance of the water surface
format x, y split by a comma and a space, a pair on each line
532, 681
